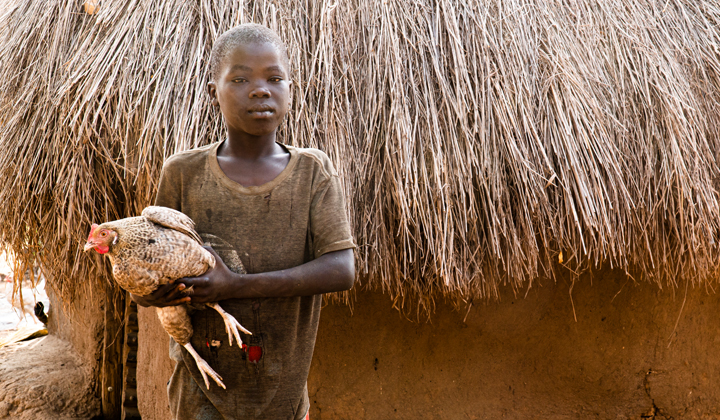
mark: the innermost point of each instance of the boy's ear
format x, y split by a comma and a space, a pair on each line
212, 91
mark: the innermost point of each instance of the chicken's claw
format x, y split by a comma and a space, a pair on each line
231, 324
204, 368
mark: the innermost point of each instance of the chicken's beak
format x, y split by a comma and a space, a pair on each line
89, 244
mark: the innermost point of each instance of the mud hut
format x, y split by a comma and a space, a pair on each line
533, 187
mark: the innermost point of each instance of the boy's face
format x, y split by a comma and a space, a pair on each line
252, 89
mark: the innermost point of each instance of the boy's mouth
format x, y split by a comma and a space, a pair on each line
260, 111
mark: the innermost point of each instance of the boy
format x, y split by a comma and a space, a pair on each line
274, 209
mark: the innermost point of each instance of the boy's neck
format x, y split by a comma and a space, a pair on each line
249, 147
252, 161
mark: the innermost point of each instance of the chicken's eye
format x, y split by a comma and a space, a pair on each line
103, 233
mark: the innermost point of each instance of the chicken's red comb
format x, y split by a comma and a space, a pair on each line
92, 228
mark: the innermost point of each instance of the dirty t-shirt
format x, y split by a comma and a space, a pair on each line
297, 217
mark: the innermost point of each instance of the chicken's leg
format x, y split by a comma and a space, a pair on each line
176, 321
204, 367
231, 324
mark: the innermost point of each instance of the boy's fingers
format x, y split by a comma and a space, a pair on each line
162, 290
179, 301
176, 292
193, 281
196, 293
198, 299
187, 281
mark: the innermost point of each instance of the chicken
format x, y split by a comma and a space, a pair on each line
151, 250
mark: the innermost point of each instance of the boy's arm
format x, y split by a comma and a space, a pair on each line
331, 272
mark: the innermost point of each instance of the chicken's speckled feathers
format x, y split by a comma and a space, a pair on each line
149, 253
172, 219
151, 250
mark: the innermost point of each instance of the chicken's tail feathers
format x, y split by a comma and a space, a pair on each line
172, 219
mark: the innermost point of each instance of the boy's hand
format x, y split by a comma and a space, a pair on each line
214, 285
171, 294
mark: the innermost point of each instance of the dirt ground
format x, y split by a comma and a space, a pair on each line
44, 379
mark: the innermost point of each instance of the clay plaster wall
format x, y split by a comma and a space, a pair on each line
81, 323
523, 357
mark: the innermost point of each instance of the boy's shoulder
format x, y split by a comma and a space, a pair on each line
310, 162
315, 159
192, 157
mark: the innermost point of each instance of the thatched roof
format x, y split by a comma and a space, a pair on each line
481, 142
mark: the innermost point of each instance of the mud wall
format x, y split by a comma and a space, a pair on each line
522, 357
81, 323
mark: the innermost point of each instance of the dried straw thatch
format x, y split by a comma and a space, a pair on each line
481, 141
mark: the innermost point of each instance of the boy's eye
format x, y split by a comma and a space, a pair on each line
238, 80
276, 79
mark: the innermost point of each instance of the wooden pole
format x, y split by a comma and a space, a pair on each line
113, 337
129, 394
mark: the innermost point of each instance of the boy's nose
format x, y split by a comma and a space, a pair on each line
260, 92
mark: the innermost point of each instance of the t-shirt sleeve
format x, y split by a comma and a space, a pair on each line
329, 226
169, 188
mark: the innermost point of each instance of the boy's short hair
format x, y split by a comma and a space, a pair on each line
241, 35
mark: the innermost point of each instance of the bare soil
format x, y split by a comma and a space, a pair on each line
43, 379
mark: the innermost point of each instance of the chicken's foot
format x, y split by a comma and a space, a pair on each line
231, 324
204, 368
